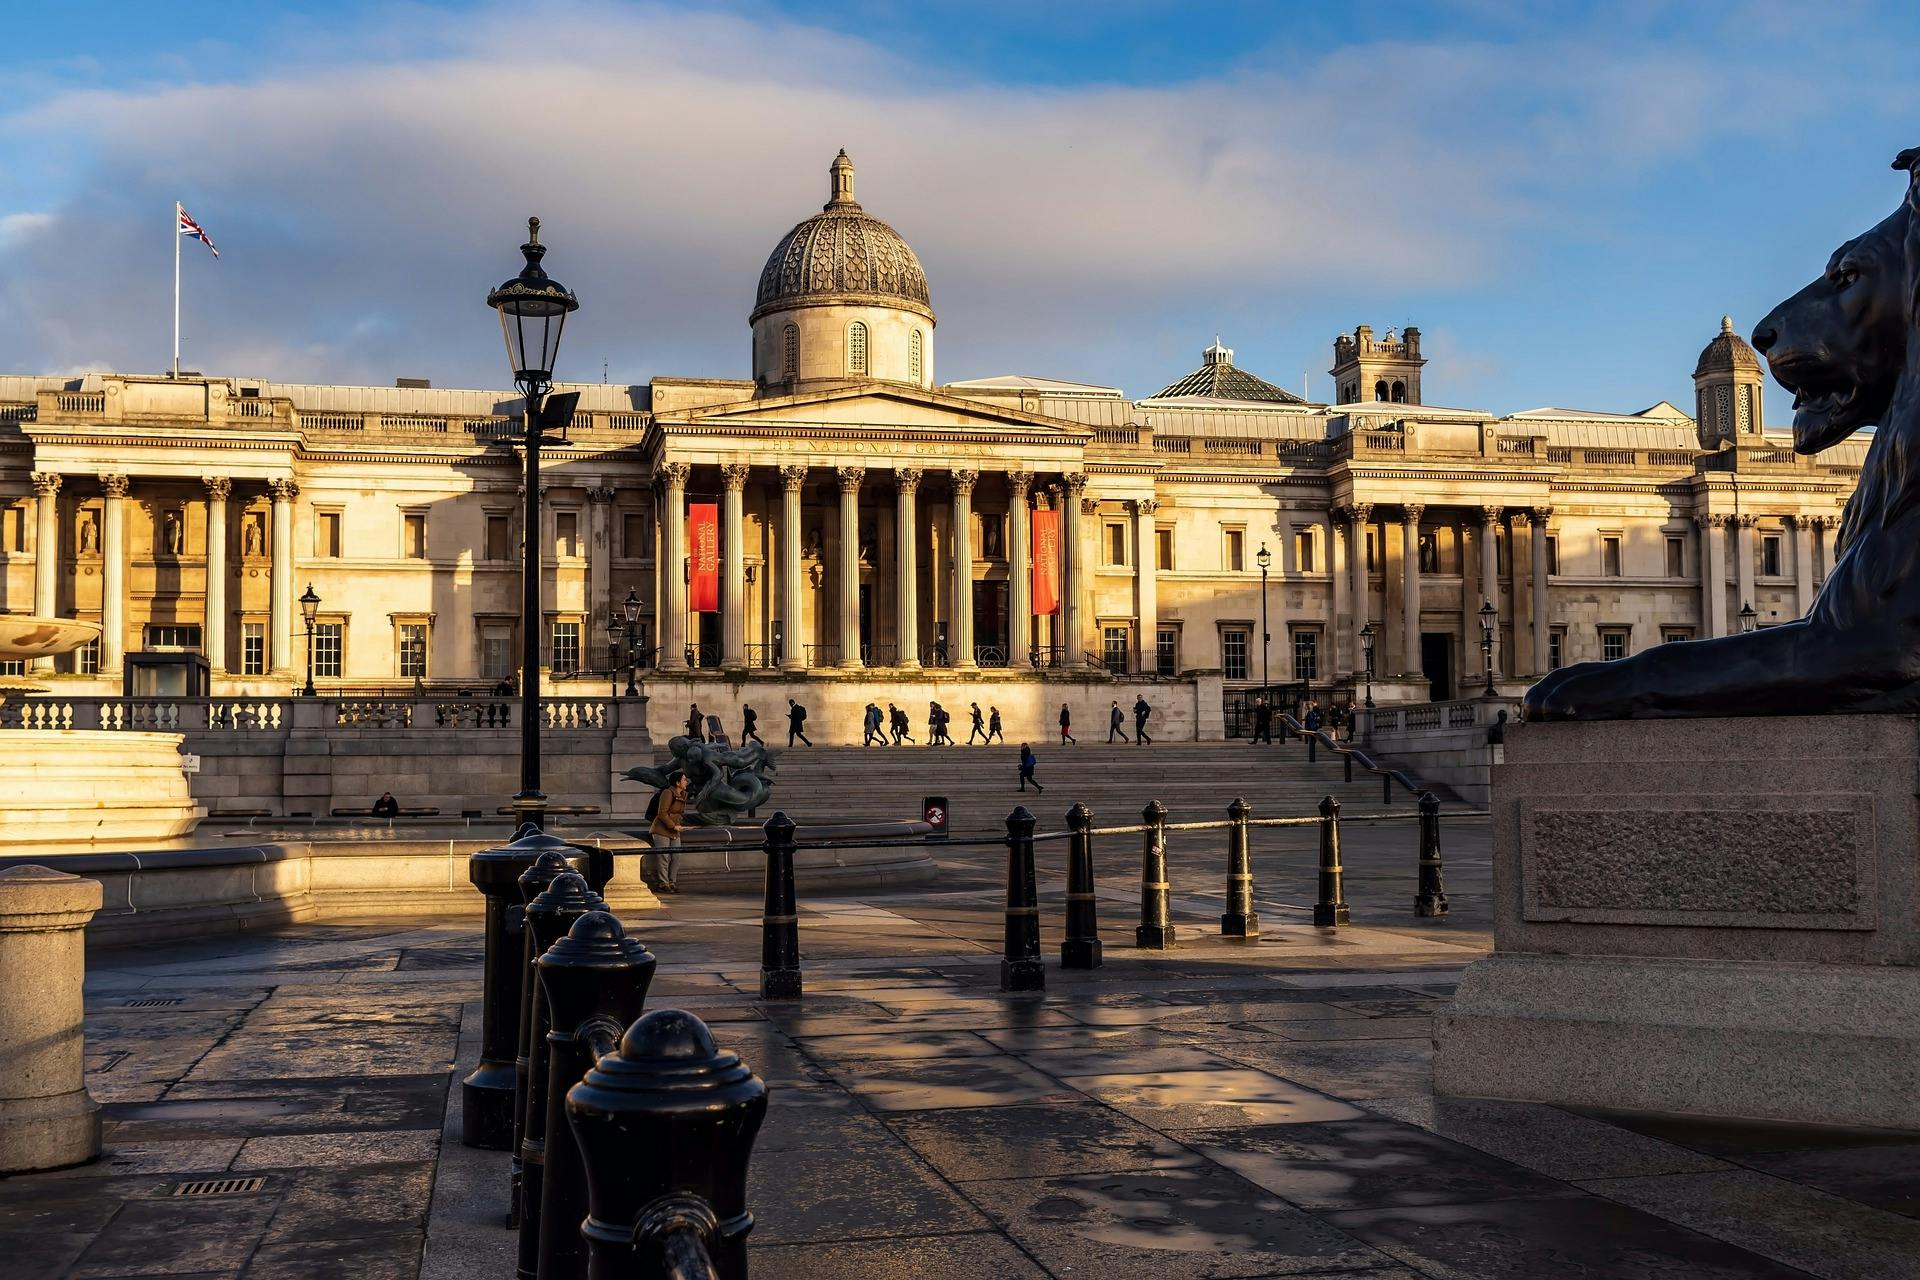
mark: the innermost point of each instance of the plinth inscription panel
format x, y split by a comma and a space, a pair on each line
1759, 861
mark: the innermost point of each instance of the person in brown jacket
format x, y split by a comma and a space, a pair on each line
669, 808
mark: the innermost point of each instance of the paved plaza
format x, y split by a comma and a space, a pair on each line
1219, 1110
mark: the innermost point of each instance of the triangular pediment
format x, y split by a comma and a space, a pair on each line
880, 408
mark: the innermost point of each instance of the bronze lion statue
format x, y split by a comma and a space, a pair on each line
1848, 347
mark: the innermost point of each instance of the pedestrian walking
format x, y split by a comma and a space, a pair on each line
870, 724
750, 726
669, 809
1262, 722
993, 726
1314, 720
696, 723
1116, 721
936, 733
979, 728
897, 723
1066, 726
796, 720
1027, 763
1142, 710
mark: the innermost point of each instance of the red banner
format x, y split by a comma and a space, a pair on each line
1046, 562
703, 557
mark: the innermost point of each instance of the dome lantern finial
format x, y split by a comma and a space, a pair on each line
1726, 324
841, 188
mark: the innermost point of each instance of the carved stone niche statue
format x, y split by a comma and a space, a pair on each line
1845, 346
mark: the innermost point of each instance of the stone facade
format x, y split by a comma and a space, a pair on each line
874, 521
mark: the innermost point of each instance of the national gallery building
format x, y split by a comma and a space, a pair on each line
877, 526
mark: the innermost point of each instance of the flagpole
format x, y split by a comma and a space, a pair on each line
176, 290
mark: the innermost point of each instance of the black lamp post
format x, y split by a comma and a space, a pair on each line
630, 615
310, 610
1747, 617
1264, 560
1366, 647
1489, 618
533, 310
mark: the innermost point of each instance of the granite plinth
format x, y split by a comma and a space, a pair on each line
1701, 917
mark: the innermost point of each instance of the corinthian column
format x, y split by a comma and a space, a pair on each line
281, 618
963, 481
1360, 514
733, 569
46, 551
1146, 588
906, 541
850, 478
1743, 568
218, 489
113, 578
1538, 517
1490, 571
1019, 571
1072, 648
793, 654
1713, 573
1410, 591
673, 569
1803, 561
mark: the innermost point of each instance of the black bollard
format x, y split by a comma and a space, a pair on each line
595, 981
1239, 920
666, 1126
1156, 924
1431, 900
1080, 948
1386, 787
1331, 909
780, 917
549, 915
1313, 746
534, 882
487, 1095
1020, 965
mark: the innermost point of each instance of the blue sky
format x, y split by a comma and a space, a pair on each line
1565, 198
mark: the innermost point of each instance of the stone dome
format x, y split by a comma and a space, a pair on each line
842, 254
1727, 353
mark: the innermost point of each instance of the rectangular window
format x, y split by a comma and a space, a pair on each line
1556, 648
1306, 655
413, 535
496, 651
1113, 647
411, 639
86, 659
1671, 635
13, 667
329, 644
173, 636
1233, 653
1166, 650
633, 536
253, 648
566, 647
1116, 543
1770, 555
1373, 562
1236, 550
566, 534
1163, 547
326, 535
498, 545
1613, 643
1610, 556
1676, 557
1553, 556
1303, 551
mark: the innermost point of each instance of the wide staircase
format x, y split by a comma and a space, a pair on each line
1195, 780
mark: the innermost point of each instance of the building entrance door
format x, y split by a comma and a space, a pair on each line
1436, 663
866, 621
990, 636
706, 652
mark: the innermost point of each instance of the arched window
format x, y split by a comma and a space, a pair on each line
857, 348
1399, 393
916, 358
790, 351
1380, 389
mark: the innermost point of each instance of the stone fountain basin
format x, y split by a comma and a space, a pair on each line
31, 637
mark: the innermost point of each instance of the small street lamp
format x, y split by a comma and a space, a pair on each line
1747, 617
533, 310
310, 610
1367, 637
630, 614
1489, 618
1264, 560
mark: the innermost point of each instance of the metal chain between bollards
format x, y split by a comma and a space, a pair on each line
1239, 920
1431, 898
1155, 931
780, 917
1331, 908
1020, 965
1080, 948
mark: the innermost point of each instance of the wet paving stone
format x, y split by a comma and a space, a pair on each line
375, 1257
1577, 1238
1559, 1144
166, 1236
900, 1045
1351, 1069
344, 1203
858, 1189
951, 1082
816, 1116
1104, 1060
975, 1254
1357, 1164
1210, 1099
1889, 1178
1034, 1141
1199, 1222
245, 1108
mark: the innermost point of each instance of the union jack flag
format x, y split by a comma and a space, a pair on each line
192, 230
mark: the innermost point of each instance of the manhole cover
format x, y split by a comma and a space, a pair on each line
220, 1187
153, 1003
